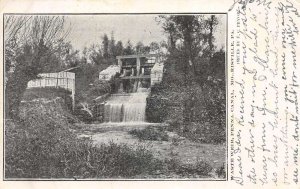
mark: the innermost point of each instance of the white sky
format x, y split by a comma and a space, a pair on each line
88, 29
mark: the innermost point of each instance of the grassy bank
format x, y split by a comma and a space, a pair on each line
41, 145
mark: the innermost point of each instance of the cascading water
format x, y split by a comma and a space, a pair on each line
115, 115
126, 107
135, 75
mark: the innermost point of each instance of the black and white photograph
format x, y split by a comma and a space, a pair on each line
115, 96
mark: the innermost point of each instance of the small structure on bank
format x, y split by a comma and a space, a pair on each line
135, 72
109, 73
157, 73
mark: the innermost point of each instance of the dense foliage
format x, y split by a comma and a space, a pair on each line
192, 95
150, 133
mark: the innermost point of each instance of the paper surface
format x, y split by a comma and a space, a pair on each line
263, 77
264, 93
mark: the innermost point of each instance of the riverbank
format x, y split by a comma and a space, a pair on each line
172, 148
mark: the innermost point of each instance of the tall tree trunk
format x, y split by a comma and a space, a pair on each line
189, 68
211, 23
172, 43
17, 82
14, 91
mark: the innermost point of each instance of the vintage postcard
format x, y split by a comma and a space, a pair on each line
167, 94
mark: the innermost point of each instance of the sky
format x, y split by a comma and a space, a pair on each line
88, 29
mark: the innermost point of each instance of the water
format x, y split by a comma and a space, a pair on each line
115, 115
126, 107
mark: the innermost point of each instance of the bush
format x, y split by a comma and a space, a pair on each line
155, 109
109, 161
221, 171
150, 133
204, 132
83, 115
35, 151
99, 88
165, 102
86, 75
201, 168
35, 144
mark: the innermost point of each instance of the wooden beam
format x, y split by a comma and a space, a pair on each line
137, 77
136, 56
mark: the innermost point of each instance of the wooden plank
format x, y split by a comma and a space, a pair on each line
137, 56
137, 77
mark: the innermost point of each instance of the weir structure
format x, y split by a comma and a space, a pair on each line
137, 73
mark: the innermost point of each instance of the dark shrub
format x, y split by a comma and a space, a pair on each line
204, 132
83, 115
221, 171
115, 161
201, 168
86, 75
150, 133
156, 109
98, 88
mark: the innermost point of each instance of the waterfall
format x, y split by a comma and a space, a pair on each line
134, 112
126, 107
115, 113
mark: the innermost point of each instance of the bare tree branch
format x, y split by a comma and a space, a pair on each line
33, 29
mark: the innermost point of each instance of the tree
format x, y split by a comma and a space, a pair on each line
34, 37
194, 35
211, 23
141, 48
190, 38
64, 56
84, 58
105, 43
169, 27
112, 46
94, 54
119, 48
128, 49
154, 47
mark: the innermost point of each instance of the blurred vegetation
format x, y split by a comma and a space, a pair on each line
201, 168
150, 133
